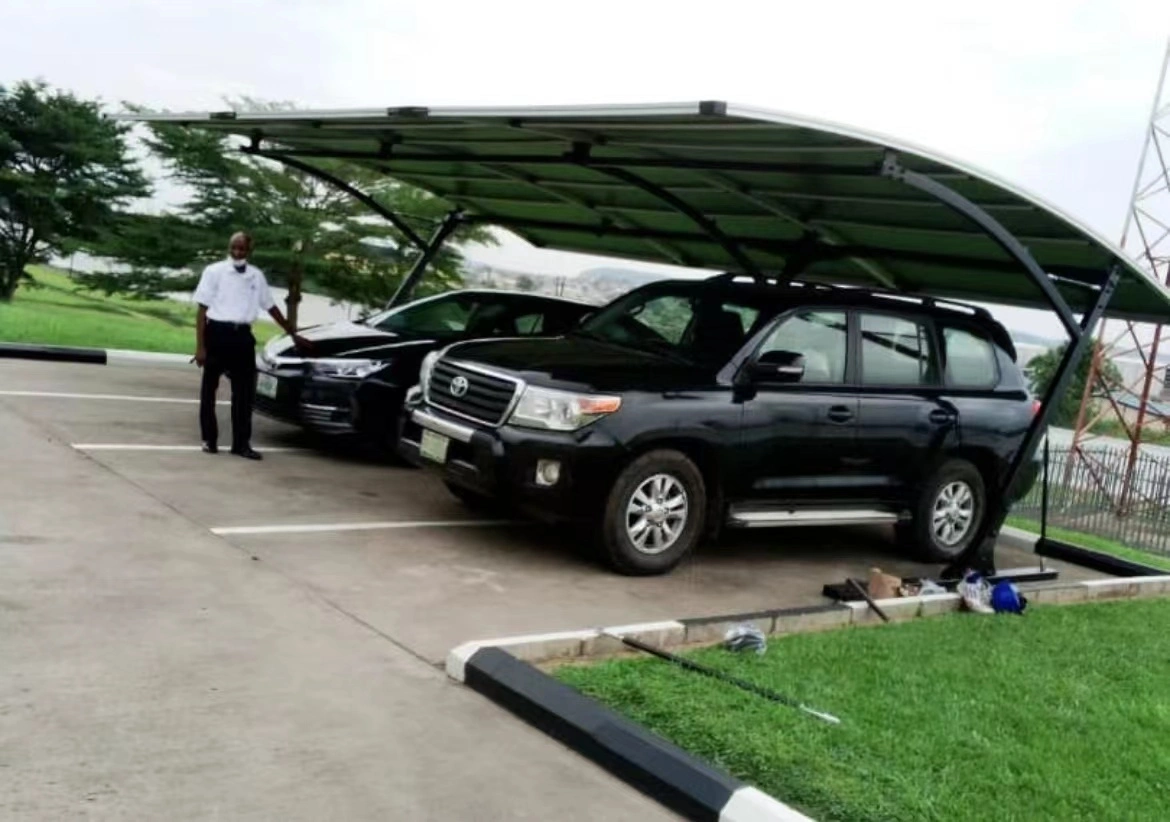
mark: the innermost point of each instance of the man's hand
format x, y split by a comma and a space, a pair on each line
302, 345
200, 357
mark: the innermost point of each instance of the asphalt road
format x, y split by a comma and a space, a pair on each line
185, 636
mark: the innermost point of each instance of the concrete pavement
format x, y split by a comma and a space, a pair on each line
149, 670
152, 669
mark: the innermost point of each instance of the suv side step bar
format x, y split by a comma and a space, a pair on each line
778, 517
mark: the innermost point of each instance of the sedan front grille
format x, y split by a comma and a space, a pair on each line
471, 393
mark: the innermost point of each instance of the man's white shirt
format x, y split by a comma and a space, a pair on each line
232, 296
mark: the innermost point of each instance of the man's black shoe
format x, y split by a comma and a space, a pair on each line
247, 453
210, 448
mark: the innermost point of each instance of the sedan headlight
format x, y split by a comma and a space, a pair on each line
348, 369
560, 410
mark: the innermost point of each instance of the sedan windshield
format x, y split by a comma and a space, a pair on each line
457, 315
684, 320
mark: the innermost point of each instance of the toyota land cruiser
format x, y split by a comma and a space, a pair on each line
690, 405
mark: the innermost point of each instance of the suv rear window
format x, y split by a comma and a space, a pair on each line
970, 359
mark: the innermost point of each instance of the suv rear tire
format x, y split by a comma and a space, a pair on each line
653, 514
949, 513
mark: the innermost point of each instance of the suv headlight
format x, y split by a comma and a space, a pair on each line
428, 365
560, 410
348, 369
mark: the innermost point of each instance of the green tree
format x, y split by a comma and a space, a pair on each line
310, 235
65, 169
1042, 371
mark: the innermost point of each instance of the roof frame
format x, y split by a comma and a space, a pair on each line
730, 186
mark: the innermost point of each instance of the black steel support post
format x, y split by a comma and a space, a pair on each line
363, 198
428, 253
981, 556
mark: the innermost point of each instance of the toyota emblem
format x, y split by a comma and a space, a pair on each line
458, 386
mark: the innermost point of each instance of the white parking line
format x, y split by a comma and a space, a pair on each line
355, 526
119, 397
119, 446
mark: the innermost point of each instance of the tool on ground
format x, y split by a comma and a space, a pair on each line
767, 693
859, 588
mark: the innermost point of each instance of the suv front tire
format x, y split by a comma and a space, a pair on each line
949, 513
654, 513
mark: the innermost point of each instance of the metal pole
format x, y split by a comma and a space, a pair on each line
1044, 496
451, 222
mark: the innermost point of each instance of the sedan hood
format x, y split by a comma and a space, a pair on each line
344, 339
584, 364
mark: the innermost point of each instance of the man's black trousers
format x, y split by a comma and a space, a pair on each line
231, 349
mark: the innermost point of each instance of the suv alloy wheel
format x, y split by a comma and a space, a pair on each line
949, 514
654, 513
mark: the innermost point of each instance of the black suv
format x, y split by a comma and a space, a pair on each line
686, 406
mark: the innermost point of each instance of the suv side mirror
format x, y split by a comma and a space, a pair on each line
778, 366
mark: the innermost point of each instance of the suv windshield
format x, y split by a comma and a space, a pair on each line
690, 321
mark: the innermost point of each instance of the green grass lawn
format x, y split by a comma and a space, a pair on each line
1062, 714
58, 312
1105, 546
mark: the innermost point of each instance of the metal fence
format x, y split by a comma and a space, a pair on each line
1085, 494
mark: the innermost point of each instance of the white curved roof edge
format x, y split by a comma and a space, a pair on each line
677, 109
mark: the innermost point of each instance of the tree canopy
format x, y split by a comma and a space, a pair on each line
1042, 370
308, 234
65, 171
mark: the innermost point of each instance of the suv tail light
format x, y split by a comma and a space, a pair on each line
1036, 406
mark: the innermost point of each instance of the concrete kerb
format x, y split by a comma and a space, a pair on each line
508, 671
119, 356
91, 356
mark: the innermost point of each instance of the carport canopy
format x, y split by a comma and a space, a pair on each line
718, 186
734, 189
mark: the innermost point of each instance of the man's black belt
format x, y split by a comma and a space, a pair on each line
236, 326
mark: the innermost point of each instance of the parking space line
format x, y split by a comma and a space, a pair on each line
318, 528
118, 397
118, 446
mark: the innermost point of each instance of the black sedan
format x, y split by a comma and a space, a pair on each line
359, 372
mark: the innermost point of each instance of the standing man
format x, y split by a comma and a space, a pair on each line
231, 294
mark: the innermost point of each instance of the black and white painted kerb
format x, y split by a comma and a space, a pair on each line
504, 671
89, 356
658, 768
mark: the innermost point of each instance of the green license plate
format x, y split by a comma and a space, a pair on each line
434, 446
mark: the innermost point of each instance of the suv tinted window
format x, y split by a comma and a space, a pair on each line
895, 351
821, 337
686, 320
970, 359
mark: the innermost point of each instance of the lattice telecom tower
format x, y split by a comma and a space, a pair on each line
1136, 400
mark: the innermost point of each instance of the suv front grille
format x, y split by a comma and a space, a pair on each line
487, 398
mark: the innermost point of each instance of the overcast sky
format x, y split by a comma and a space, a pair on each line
1050, 95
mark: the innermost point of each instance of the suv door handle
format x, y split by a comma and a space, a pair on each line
940, 417
840, 413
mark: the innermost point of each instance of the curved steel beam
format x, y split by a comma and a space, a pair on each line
359, 195
509, 173
726, 184
894, 170
687, 210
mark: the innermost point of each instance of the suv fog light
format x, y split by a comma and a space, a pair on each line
548, 472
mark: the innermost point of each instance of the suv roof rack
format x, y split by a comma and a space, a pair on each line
924, 299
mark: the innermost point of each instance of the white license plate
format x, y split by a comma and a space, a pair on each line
266, 385
433, 446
